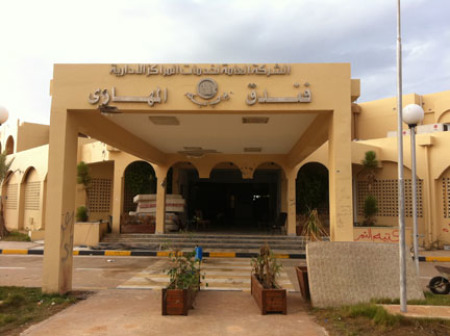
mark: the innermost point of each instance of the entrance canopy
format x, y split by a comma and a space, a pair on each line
247, 114
156, 111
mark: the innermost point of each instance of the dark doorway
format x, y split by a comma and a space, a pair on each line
232, 204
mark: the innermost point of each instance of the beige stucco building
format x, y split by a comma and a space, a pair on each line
226, 138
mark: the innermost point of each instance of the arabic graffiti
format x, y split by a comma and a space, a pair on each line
383, 237
253, 98
196, 70
102, 96
67, 235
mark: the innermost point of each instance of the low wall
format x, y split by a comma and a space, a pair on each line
89, 233
342, 273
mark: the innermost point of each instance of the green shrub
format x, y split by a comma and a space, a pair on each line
377, 314
14, 300
82, 215
370, 210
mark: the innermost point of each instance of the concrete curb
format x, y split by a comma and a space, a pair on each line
144, 253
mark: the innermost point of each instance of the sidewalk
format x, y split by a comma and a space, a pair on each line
137, 312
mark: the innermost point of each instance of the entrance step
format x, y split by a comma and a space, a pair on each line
209, 242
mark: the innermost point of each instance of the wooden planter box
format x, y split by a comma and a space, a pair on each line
268, 300
177, 301
302, 276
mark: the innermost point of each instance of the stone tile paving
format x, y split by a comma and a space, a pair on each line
220, 274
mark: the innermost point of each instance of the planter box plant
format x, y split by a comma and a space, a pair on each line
269, 296
302, 276
179, 296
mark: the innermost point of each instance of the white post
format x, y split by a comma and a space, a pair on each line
401, 190
414, 196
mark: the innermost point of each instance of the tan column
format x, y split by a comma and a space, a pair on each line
340, 177
57, 270
291, 206
160, 199
284, 195
117, 204
42, 203
21, 209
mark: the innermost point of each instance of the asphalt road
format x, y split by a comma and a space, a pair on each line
94, 273
88, 272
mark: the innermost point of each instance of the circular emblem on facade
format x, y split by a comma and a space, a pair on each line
207, 88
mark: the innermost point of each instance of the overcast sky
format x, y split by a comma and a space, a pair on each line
36, 34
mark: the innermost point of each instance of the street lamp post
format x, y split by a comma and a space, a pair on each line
401, 189
412, 115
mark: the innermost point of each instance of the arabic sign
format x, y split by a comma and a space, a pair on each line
252, 98
197, 70
103, 97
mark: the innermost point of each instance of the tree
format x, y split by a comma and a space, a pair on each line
370, 164
4, 168
84, 179
312, 188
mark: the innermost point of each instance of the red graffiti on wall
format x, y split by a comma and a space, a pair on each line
387, 237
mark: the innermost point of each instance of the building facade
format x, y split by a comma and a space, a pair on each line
231, 139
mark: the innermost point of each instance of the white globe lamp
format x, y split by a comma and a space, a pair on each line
3, 114
413, 115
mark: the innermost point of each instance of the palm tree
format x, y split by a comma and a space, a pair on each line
4, 168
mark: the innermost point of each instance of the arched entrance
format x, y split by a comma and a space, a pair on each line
181, 179
30, 216
312, 192
139, 178
229, 203
10, 200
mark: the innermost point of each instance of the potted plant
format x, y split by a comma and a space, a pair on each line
178, 297
269, 296
313, 230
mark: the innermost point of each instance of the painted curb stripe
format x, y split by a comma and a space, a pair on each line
118, 253
143, 253
222, 254
15, 251
36, 252
122, 253
444, 259
87, 253
282, 256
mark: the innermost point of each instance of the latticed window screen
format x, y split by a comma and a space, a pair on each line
446, 196
386, 193
100, 195
32, 195
11, 196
